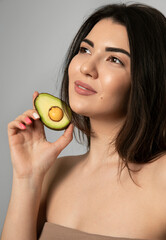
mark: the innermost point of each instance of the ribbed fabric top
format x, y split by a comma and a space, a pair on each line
53, 231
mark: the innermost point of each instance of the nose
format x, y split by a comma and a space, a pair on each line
89, 69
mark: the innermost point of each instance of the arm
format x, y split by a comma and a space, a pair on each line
32, 157
20, 222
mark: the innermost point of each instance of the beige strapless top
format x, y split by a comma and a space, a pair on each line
53, 231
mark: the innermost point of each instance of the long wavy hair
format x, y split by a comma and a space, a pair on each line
142, 138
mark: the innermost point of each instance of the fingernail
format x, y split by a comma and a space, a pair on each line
28, 120
22, 126
36, 116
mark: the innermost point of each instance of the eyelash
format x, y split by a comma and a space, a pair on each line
83, 50
115, 58
112, 58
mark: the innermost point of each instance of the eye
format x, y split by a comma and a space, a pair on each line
84, 50
115, 60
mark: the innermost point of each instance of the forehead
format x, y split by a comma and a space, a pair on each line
109, 33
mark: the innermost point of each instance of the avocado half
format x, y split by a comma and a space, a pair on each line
54, 113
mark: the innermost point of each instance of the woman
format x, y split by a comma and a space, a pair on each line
115, 83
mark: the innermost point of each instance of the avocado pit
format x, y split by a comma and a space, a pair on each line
55, 113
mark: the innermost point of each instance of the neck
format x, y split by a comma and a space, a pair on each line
102, 151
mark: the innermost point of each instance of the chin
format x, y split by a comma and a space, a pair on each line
80, 104
78, 109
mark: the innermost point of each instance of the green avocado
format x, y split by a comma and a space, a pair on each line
54, 113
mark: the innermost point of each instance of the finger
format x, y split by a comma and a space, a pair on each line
65, 139
35, 94
32, 114
27, 118
15, 126
32, 117
24, 119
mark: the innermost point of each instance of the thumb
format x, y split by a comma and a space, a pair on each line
65, 139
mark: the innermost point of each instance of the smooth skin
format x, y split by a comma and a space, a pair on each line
83, 192
31, 155
110, 75
89, 196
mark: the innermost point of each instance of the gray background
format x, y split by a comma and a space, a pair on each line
34, 38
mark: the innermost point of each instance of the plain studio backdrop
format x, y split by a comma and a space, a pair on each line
34, 38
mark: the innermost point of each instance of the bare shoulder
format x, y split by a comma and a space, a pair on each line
60, 169
54, 176
159, 172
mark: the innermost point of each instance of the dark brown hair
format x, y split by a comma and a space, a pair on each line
142, 138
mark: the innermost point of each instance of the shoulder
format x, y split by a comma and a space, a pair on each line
54, 176
60, 168
57, 177
159, 172
159, 187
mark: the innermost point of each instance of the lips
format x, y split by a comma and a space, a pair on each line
84, 85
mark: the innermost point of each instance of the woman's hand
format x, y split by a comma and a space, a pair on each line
31, 154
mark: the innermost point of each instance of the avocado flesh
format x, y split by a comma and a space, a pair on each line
44, 103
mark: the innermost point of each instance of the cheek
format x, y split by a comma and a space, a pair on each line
76, 103
70, 71
116, 84
115, 90
71, 74
74, 67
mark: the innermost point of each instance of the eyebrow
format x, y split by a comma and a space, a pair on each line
108, 49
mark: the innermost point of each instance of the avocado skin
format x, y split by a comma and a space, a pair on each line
56, 126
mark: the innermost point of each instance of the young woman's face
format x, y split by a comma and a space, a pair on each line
103, 62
